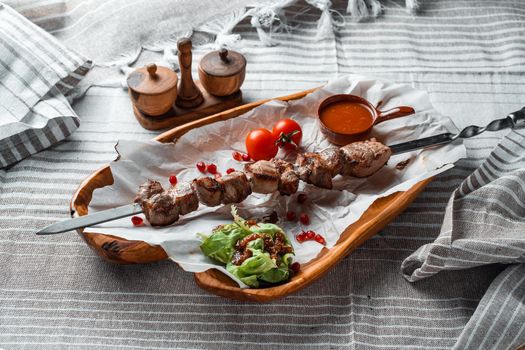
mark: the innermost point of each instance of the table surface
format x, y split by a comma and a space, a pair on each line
56, 293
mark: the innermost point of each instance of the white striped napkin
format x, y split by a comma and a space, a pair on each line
485, 217
36, 72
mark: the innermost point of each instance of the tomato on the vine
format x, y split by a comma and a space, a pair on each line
260, 144
288, 133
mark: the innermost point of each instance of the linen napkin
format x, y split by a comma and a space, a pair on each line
485, 224
36, 74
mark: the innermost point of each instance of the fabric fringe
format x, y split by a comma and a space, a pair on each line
363, 9
124, 59
269, 19
171, 41
327, 23
266, 19
412, 5
222, 28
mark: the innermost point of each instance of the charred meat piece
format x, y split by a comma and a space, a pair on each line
333, 159
147, 190
362, 159
208, 190
288, 179
185, 197
235, 186
314, 170
161, 210
263, 176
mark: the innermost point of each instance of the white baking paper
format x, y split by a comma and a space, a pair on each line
330, 211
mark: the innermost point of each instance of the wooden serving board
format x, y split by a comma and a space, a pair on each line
179, 116
121, 251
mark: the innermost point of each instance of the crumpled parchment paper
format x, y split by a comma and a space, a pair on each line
330, 211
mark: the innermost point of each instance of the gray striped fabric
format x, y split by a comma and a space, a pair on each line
485, 218
55, 293
36, 71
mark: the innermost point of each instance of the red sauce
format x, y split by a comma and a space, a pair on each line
347, 117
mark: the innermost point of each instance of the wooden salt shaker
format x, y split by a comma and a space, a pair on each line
222, 72
189, 94
153, 89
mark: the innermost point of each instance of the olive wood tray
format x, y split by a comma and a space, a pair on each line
122, 251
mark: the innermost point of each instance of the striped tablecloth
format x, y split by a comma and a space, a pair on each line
56, 293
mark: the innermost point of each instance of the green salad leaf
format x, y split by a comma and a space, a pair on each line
259, 266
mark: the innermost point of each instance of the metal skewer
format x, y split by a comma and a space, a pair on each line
511, 121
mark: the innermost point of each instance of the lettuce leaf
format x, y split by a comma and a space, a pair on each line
220, 245
260, 267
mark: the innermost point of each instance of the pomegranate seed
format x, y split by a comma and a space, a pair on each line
246, 157
137, 220
230, 170
290, 216
310, 235
320, 239
301, 198
304, 218
296, 267
173, 180
211, 168
237, 156
217, 175
201, 166
300, 237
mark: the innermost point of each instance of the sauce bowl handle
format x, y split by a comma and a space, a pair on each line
393, 113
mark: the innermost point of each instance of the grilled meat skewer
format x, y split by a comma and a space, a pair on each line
185, 197
288, 178
209, 191
161, 209
236, 187
362, 159
313, 169
147, 190
358, 159
263, 176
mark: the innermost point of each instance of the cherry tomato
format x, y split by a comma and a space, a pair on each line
288, 133
260, 144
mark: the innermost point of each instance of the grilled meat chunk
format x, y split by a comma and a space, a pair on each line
208, 190
160, 209
147, 190
333, 159
314, 170
288, 179
235, 186
362, 159
263, 176
185, 197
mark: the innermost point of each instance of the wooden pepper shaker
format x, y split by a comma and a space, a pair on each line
189, 95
